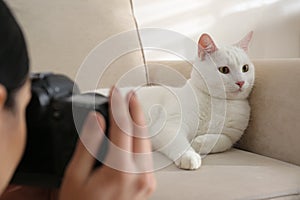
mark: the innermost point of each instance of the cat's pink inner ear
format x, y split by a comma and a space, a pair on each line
244, 43
206, 45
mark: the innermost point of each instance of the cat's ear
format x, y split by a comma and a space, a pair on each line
244, 43
206, 45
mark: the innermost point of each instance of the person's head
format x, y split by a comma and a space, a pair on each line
14, 94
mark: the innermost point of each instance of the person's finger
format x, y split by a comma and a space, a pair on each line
141, 142
88, 144
120, 150
120, 126
142, 151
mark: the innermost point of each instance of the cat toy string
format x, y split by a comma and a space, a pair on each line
140, 43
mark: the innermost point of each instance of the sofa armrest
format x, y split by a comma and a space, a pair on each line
274, 128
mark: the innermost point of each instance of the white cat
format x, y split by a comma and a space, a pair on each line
210, 113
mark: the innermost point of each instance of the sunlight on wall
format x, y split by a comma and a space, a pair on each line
247, 5
275, 23
292, 9
163, 9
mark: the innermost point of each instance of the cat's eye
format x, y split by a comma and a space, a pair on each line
224, 70
245, 68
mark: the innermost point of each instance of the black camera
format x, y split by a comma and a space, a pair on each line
55, 116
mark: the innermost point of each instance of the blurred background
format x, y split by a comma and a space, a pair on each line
276, 23
62, 33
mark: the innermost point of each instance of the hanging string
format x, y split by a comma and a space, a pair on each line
141, 44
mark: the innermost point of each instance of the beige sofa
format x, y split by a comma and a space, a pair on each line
263, 165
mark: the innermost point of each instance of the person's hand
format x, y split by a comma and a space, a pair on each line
127, 126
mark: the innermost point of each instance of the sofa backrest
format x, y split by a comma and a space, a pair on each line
274, 129
61, 33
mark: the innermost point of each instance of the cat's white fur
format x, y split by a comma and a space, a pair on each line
209, 113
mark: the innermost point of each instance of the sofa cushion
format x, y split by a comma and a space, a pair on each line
61, 33
235, 174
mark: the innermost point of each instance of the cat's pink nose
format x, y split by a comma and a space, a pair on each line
240, 83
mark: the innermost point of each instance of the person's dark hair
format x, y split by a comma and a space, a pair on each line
14, 61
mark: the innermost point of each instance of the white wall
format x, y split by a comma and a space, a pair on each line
276, 23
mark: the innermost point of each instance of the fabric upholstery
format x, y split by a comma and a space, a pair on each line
235, 174
288, 197
61, 33
274, 129
155, 75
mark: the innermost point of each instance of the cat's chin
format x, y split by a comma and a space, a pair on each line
234, 92
237, 94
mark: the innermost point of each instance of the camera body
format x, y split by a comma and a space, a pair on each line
54, 117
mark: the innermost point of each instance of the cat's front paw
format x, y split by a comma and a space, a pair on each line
189, 160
